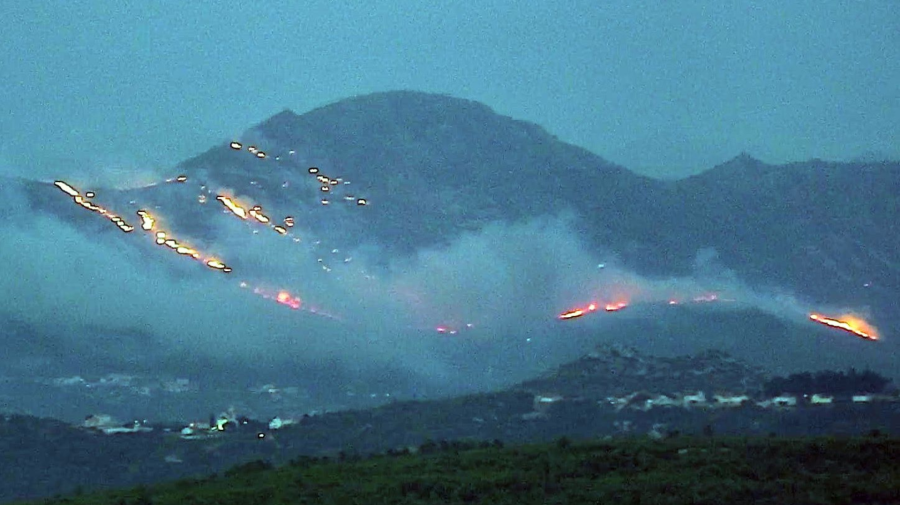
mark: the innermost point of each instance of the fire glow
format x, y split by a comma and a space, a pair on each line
235, 209
148, 223
848, 323
83, 201
572, 314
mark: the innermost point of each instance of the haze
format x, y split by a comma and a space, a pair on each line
663, 88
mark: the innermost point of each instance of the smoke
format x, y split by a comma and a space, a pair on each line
477, 313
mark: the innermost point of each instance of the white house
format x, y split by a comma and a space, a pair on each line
134, 428
99, 421
618, 403
862, 398
730, 401
278, 423
818, 399
665, 401
697, 400
785, 401
542, 402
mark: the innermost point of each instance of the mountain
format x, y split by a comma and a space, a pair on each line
434, 167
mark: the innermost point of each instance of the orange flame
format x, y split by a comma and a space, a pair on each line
578, 312
80, 200
236, 209
285, 298
571, 314
848, 323
613, 307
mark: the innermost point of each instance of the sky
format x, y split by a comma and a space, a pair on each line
664, 88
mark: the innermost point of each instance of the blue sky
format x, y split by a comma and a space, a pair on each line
664, 88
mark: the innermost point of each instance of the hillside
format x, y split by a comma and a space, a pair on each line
435, 166
614, 391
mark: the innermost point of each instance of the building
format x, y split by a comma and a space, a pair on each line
784, 401
731, 401
818, 399
697, 400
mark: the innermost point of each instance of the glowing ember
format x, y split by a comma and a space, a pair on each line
236, 146
218, 265
146, 220
612, 307
848, 323
572, 314
257, 214
69, 190
236, 209
181, 178
285, 298
80, 200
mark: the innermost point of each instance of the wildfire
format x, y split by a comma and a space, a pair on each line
84, 202
613, 307
257, 214
218, 265
147, 224
577, 312
147, 220
285, 298
236, 209
848, 323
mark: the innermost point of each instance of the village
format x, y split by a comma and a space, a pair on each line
230, 421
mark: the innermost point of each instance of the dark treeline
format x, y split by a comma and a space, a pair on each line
828, 382
677, 470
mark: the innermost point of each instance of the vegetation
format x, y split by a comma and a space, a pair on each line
639, 470
828, 382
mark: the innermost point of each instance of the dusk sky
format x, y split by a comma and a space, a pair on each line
663, 88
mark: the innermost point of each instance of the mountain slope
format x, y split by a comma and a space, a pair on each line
434, 166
